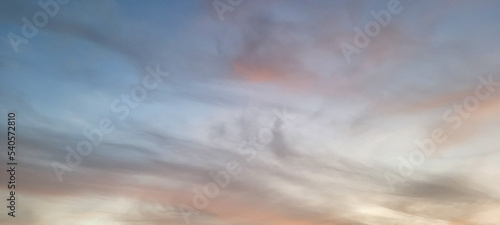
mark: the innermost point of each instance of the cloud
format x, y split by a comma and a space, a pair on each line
352, 121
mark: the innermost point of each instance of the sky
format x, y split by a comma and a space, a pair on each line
249, 112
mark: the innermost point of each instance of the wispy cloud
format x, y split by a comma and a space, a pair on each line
351, 120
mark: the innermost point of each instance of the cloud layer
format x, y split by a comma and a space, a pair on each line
268, 64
